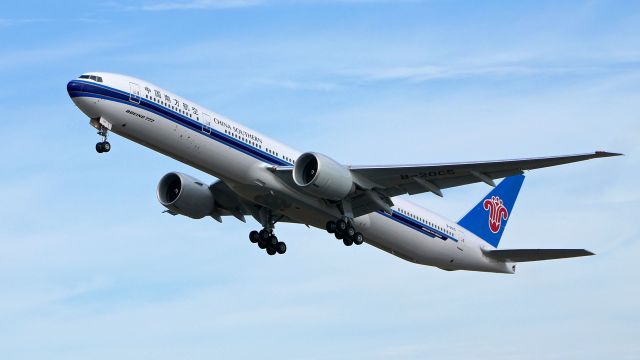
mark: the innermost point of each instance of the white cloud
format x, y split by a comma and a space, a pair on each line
322, 86
14, 22
4, 22
51, 53
197, 4
229, 4
494, 67
430, 72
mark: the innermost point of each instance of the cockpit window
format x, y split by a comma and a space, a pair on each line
92, 77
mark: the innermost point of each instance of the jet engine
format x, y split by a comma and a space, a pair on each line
185, 195
322, 176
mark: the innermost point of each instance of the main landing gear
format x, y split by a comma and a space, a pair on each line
267, 240
103, 146
343, 230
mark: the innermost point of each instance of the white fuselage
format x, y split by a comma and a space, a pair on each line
241, 157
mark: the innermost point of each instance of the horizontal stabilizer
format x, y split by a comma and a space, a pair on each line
523, 255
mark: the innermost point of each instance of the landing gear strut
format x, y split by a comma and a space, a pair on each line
103, 146
344, 230
265, 238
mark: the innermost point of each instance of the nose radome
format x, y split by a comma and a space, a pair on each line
78, 93
73, 86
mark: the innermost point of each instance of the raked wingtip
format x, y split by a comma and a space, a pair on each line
606, 154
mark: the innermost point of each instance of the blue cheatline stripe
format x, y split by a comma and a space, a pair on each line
108, 93
111, 94
416, 225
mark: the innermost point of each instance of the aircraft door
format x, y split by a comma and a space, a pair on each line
460, 243
134, 94
206, 123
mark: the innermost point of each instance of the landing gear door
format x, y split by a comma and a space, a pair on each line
206, 123
134, 94
460, 243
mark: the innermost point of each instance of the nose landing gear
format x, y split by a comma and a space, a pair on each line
103, 146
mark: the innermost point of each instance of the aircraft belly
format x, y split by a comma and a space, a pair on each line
408, 244
299, 208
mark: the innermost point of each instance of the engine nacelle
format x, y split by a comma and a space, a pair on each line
185, 195
322, 176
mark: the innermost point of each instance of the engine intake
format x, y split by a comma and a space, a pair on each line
322, 176
185, 195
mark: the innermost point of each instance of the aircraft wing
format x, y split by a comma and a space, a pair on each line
376, 185
414, 179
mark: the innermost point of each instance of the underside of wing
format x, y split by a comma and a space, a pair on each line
227, 203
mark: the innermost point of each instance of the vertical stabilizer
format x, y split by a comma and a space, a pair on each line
489, 217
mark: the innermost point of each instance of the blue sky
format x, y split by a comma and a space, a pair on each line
90, 268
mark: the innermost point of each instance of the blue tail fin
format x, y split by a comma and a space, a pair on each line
489, 218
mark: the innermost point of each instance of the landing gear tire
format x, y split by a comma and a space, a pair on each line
331, 227
350, 232
265, 238
281, 248
341, 225
103, 147
343, 230
358, 239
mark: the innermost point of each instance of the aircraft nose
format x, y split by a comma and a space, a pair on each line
74, 86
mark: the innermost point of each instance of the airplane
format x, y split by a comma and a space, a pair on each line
273, 183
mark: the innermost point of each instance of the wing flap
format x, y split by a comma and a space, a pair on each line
524, 255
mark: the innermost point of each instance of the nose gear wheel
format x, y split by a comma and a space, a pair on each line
103, 146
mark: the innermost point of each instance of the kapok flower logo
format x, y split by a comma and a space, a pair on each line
497, 213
